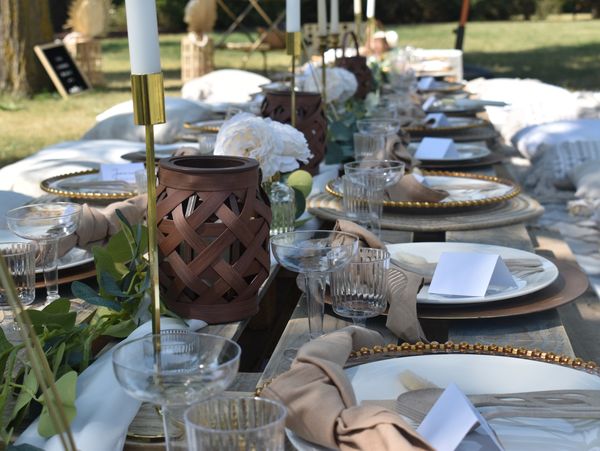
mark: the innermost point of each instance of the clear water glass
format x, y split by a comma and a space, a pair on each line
46, 224
368, 146
378, 125
314, 253
392, 170
363, 198
283, 207
188, 368
236, 424
360, 291
20, 259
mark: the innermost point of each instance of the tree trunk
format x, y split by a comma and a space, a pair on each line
23, 24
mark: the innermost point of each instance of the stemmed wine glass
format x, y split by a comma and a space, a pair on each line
188, 367
360, 290
314, 253
46, 224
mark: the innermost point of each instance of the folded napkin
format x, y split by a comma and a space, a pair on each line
321, 402
104, 409
521, 267
409, 189
402, 317
96, 224
397, 149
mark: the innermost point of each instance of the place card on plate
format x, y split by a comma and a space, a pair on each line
469, 274
123, 172
425, 83
436, 149
450, 420
428, 103
437, 120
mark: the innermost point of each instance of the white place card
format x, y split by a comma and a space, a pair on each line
450, 420
124, 172
436, 149
469, 274
428, 103
425, 83
437, 120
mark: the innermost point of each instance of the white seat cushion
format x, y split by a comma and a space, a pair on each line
224, 86
117, 121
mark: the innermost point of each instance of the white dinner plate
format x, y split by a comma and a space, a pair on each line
407, 252
481, 374
75, 257
466, 151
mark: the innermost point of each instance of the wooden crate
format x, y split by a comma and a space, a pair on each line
87, 53
197, 57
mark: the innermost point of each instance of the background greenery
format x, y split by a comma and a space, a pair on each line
559, 50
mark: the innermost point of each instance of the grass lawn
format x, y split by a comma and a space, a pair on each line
559, 51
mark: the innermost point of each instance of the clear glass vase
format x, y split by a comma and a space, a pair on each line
283, 207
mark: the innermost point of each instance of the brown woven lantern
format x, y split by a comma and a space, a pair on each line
213, 236
310, 120
358, 66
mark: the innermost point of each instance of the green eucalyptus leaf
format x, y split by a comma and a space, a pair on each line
119, 248
334, 154
86, 293
58, 306
66, 388
121, 329
341, 131
6, 348
58, 357
104, 262
27, 393
300, 202
109, 286
43, 319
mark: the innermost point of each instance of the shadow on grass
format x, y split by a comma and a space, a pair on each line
573, 67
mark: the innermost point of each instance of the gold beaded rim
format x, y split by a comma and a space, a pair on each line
448, 128
97, 195
515, 191
449, 87
202, 128
390, 351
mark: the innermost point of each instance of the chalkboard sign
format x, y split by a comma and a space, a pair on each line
63, 71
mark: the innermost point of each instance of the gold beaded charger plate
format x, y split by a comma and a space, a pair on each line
485, 132
519, 209
465, 191
455, 124
87, 185
212, 126
420, 256
378, 374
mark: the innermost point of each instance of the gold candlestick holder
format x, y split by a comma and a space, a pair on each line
358, 26
334, 42
370, 32
148, 110
323, 49
293, 44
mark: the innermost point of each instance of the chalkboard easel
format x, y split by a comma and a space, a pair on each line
62, 69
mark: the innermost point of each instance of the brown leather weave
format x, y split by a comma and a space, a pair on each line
358, 66
310, 120
213, 236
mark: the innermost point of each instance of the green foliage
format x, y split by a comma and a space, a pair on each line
123, 280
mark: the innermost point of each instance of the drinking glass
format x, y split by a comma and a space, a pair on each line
20, 259
368, 145
360, 290
236, 424
314, 253
392, 170
46, 224
188, 367
363, 198
378, 125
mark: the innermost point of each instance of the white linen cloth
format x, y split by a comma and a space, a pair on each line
224, 86
531, 102
104, 409
25, 175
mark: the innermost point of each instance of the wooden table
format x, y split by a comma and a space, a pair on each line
543, 330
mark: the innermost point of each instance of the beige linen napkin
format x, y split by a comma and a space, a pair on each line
402, 317
409, 189
321, 402
96, 224
397, 149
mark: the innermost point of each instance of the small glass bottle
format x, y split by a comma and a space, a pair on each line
283, 207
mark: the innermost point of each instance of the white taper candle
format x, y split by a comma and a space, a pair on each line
322, 17
142, 33
292, 16
335, 17
357, 7
370, 9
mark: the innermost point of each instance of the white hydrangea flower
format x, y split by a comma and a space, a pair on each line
341, 83
277, 147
